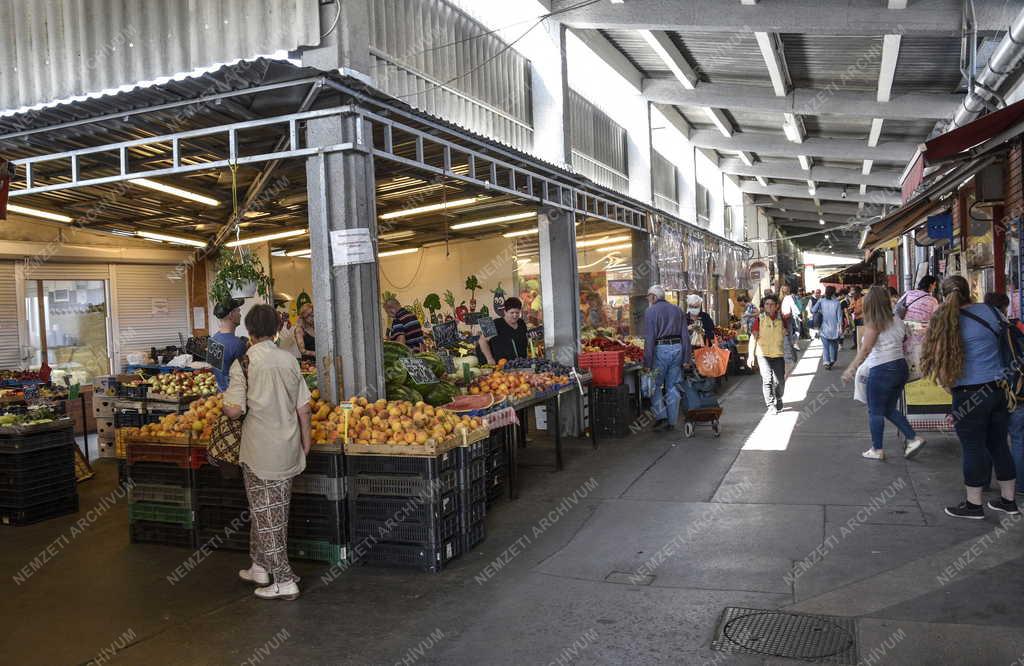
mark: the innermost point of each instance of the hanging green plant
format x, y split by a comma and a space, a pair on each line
240, 274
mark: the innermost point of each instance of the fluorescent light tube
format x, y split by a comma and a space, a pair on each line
35, 212
524, 232
431, 208
596, 242
493, 220
396, 235
392, 253
176, 191
179, 240
267, 237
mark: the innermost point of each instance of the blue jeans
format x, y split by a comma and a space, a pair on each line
981, 422
831, 349
668, 361
885, 382
1017, 438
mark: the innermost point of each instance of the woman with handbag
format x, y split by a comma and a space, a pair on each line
271, 394
963, 352
881, 350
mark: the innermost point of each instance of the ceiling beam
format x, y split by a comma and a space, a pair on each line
840, 149
607, 51
935, 17
834, 193
805, 101
810, 216
719, 120
671, 56
836, 207
771, 51
888, 178
677, 120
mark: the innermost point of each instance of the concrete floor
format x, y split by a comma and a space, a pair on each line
711, 522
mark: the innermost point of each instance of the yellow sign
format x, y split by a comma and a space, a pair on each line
927, 392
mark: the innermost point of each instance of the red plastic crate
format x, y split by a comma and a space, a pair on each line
604, 366
188, 457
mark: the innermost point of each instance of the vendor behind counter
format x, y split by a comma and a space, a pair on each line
511, 340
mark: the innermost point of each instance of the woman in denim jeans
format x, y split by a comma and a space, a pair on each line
831, 329
881, 349
963, 353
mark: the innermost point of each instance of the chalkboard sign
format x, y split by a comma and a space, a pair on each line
472, 318
536, 333
215, 354
446, 334
449, 364
487, 327
419, 371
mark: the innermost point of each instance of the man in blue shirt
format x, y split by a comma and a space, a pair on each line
230, 315
666, 348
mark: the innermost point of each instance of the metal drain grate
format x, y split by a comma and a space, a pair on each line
819, 638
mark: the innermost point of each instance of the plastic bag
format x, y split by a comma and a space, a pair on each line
913, 347
648, 383
860, 384
711, 361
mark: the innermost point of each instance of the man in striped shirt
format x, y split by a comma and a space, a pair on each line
405, 327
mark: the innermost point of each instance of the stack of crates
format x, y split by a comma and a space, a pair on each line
496, 474
103, 411
405, 510
473, 492
162, 501
317, 526
614, 408
37, 476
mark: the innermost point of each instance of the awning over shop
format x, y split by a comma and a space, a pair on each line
863, 273
972, 134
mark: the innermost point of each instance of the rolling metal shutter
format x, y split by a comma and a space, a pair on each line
139, 294
10, 348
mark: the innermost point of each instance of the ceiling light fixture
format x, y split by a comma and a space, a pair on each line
176, 191
178, 240
821, 221
431, 208
523, 232
298, 253
612, 248
291, 233
392, 253
493, 220
35, 212
597, 242
396, 235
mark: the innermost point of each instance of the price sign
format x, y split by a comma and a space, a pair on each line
536, 333
215, 354
347, 411
446, 334
419, 371
487, 327
449, 365
472, 318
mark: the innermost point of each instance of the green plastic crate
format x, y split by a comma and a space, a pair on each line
160, 513
318, 551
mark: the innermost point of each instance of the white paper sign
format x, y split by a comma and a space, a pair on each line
198, 318
351, 246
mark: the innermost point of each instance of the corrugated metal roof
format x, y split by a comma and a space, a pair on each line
815, 61
757, 121
907, 130
845, 127
928, 64
62, 48
724, 57
695, 115
637, 51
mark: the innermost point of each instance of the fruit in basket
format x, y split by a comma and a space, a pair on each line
186, 383
511, 384
400, 422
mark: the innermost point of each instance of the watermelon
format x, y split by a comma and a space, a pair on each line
468, 403
395, 373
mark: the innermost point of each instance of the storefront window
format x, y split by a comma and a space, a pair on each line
68, 324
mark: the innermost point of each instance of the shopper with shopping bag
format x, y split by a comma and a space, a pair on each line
666, 349
711, 361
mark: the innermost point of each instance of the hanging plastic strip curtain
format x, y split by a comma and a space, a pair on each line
667, 244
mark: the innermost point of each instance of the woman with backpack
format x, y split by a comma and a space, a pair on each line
963, 352
881, 350
827, 317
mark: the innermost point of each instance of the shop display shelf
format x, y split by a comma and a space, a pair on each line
190, 457
220, 518
211, 477
474, 471
431, 533
53, 488
368, 507
473, 536
163, 474
16, 444
164, 534
418, 466
317, 551
605, 367
152, 493
331, 488
403, 486
474, 492
471, 514
39, 512
324, 463
161, 513
411, 556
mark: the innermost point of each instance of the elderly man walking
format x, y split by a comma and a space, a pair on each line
666, 349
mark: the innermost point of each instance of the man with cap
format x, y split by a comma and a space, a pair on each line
666, 349
230, 315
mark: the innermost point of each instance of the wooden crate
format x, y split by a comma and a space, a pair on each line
430, 449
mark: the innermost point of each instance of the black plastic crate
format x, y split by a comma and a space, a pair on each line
404, 486
498, 440
39, 512
423, 467
221, 517
409, 556
165, 534
326, 487
368, 507
134, 392
129, 418
474, 492
472, 472
612, 397
471, 452
429, 533
325, 464
316, 519
224, 497
471, 514
51, 489
32, 463
122, 471
210, 476
18, 444
473, 536
165, 474
495, 462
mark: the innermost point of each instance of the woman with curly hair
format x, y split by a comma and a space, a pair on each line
962, 353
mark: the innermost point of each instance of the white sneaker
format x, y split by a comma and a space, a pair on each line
874, 454
913, 446
255, 574
288, 591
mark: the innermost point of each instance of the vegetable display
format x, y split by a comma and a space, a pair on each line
400, 386
634, 352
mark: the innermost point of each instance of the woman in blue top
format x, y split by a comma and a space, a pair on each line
831, 329
962, 352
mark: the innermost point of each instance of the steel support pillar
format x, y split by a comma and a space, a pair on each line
645, 273
345, 298
560, 298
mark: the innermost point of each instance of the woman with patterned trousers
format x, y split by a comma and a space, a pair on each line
272, 394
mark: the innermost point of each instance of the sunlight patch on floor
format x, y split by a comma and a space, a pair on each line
773, 432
